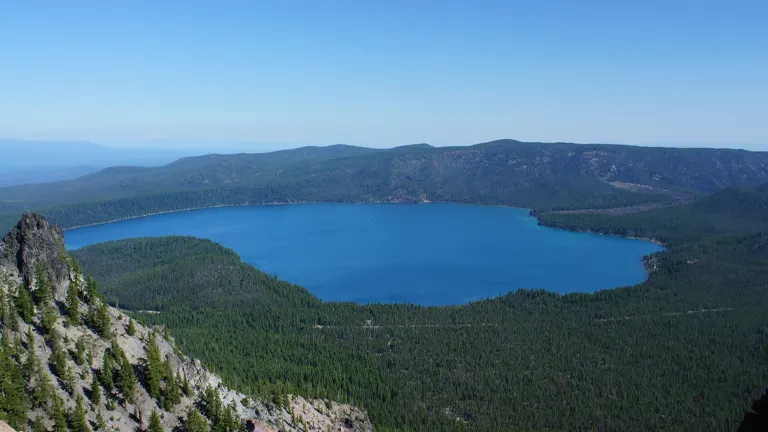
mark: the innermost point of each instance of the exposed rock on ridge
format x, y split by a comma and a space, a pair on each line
31, 243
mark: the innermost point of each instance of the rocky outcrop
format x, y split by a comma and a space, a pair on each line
5, 428
32, 245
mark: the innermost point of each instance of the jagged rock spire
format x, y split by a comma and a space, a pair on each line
34, 243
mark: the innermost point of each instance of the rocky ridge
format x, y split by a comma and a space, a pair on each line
32, 260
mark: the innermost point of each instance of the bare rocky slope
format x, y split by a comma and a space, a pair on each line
38, 327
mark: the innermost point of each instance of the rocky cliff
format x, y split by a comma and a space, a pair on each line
72, 362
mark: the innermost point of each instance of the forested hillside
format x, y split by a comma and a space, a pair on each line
683, 351
69, 362
532, 175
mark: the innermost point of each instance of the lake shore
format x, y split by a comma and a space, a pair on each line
532, 214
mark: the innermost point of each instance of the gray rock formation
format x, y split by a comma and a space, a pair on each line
34, 243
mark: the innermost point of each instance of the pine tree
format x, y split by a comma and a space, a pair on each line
58, 415
79, 356
17, 350
3, 306
195, 422
92, 291
30, 339
48, 318
126, 379
79, 422
101, 424
11, 315
30, 367
155, 424
41, 394
211, 403
39, 425
58, 358
154, 367
14, 399
75, 267
24, 305
98, 319
95, 391
227, 421
171, 395
68, 379
43, 291
186, 387
131, 330
73, 304
106, 372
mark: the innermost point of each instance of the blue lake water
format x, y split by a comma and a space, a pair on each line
434, 254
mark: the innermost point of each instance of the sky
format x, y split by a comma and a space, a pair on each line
385, 73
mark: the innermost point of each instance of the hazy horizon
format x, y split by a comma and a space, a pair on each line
383, 74
226, 146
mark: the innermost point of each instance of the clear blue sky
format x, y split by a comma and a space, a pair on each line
386, 73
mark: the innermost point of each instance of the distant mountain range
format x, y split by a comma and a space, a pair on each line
43, 174
506, 172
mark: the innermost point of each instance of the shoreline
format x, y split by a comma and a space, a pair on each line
176, 211
530, 212
269, 204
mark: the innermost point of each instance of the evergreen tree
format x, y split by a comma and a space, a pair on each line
98, 319
11, 315
24, 305
30, 367
92, 290
73, 304
48, 318
154, 367
155, 424
186, 387
3, 306
79, 356
39, 425
79, 421
43, 390
68, 379
95, 391
58, 415
106, 372
17, 350
101, 424
211, 403
58, 358
14, 402
126, 379
171, 395
75, 267
43, 289
131, 330
227, 422
195, 422
30, 339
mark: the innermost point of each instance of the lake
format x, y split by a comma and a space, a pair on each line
430, 254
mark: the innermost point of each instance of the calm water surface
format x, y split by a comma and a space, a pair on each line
433, 254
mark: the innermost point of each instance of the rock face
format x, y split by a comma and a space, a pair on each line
35, 249
5, 428
35, 244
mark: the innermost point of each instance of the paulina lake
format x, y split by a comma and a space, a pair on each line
433, 254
